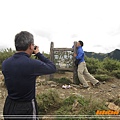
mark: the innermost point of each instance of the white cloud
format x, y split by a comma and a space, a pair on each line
96, 22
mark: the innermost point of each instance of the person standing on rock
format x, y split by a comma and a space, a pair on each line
20, 72
82, 69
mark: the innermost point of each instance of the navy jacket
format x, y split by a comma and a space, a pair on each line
20, 72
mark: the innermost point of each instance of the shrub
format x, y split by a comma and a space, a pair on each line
92, 64
116, 73
102, 71
4, 54
84, 106
47, 101
103, 77
110, 64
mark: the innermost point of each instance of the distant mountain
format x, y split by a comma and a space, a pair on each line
114, 55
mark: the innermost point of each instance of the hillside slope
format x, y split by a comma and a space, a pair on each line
114, 55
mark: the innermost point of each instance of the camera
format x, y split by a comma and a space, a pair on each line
34, 49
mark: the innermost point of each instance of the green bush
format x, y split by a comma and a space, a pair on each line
84, 106
4, 54
92, 64
48, 101
102, 71
116, 73
110, 64
107, 66
103, 77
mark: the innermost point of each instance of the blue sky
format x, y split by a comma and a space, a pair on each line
95, 22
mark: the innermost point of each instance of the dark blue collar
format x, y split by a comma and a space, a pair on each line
21, 53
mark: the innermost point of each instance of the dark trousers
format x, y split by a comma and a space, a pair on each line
14, 110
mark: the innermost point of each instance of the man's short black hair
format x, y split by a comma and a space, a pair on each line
81, 42
23, 40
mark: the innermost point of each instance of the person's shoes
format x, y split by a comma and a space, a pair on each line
97, 84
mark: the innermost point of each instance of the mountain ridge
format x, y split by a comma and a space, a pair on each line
114, 55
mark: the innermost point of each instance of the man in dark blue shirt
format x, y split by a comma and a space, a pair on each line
82, 69
20, 72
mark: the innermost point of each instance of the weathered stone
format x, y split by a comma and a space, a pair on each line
77, 86
112, 106
113, 86
118, 95
51, 82
103, 82
101, 90
62, 96
2, 83
1, 77
108, 94
77, 94
53, 85
0, 72
0, 95
75, 104
109, 90
107, 103
96, 92
111, 98
74, 88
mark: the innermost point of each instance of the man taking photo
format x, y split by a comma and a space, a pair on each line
20, 72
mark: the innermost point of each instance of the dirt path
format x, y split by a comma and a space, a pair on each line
106, 91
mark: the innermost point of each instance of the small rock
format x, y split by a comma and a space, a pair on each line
62, 96
51, 82
112, 106
2, 83
118, 95
41, 80
96, 92
107, 103
77, 86
77, 94
1, 77
111, 98
103, 82
108, 94
53, 85
75, 104
0, 72
109, 90
113, 86
101, 90
74, 88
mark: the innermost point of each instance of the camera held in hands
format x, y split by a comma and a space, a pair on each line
34, 49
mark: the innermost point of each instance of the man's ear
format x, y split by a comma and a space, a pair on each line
30, 46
